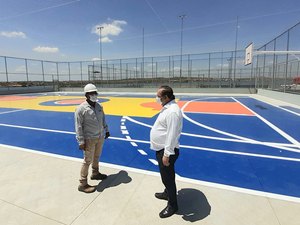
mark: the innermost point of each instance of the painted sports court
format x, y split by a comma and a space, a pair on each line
246, 145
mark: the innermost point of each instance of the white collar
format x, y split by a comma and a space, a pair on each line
169, 104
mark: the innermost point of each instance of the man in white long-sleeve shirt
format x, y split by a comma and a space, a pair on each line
164, 139
91, 129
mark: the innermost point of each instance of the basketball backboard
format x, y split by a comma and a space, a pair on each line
248, 54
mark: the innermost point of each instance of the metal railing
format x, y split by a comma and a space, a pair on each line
210, 70
276, 71
218, 69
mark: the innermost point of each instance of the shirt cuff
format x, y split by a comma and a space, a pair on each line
166, 154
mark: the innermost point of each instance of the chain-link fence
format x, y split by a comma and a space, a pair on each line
218, 69
207, 70
280, 69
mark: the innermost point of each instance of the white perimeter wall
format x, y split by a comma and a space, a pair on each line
285, 97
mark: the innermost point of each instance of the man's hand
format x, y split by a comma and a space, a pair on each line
82, 147
107, 134
165, 161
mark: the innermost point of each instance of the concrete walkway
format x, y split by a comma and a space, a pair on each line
42, 190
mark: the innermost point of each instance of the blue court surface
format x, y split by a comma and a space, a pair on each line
236, 141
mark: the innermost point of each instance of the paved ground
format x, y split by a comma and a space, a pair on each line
42, 190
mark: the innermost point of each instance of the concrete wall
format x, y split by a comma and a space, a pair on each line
176, 90
24, 90
285, 97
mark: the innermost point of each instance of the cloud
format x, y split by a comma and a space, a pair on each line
13, 34
42, 49
111, 28
222, 65
105, 40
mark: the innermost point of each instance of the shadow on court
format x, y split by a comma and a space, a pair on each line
114, 180
193, 205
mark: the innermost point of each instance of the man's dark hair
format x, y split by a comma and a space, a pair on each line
167, 91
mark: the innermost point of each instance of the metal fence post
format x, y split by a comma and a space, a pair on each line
69, 71
152, 71
6, 72
81, 73
43, 73
57, 74
120, 68
26, 69
274, 67
208, 69
263, 72
287, 61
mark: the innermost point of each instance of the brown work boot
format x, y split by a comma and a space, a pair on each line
98, 176
86, 188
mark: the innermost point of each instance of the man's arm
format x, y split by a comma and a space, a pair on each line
171, 140
105, 126
79, 128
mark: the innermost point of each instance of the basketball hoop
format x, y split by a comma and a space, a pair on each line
249, 53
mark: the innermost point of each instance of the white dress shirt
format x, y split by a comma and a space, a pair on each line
167, 128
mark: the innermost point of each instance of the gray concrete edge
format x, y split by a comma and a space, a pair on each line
285, 97
176, 90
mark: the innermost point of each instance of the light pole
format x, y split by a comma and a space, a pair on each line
180, 72
100, 45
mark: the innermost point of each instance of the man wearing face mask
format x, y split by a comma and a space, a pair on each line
164, 139
91, 130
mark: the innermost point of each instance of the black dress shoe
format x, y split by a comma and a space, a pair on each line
161, 195
168, 211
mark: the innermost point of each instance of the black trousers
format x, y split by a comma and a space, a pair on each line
167, 174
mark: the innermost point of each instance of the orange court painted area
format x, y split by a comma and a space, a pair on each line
233, 108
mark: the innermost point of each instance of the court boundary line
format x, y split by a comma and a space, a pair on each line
220, 138
13, 111
274, 127
232, 135
129, 139
178, 178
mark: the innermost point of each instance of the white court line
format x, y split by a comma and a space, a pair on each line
154, 162
218, 150
278, 130
156, 174
142, 152
290, 111
128, 138
207, 127
240, 153
214, 113
233, 135
133, 144
38, 129
280, 107
124, 131
17, 110
283, 146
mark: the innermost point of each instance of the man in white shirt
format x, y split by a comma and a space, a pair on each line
164, 139
91, 130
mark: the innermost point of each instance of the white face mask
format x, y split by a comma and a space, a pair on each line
158, 100
93, 98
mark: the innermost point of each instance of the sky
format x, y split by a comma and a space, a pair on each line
66, 30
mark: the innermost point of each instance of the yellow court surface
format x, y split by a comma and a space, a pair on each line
118, 106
